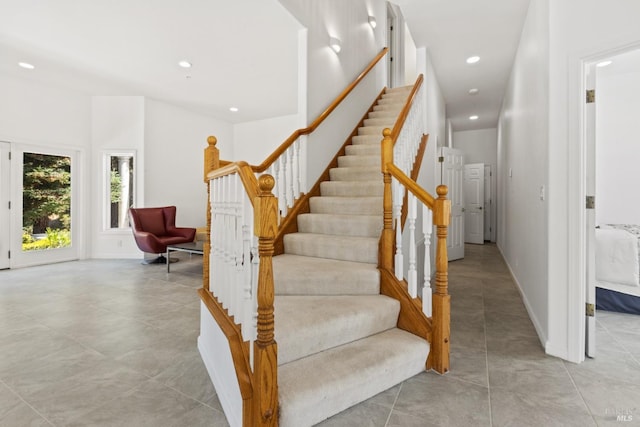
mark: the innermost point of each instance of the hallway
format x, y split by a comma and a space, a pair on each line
113, 343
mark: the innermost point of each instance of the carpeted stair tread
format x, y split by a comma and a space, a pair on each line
355, 173
310, 324
319, 386
352, 188
341, 225
305, 275
347, 205
346, 248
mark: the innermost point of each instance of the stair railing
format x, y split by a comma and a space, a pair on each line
242, 224
399, 148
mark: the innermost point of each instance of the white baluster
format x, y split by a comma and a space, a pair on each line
291, 195
398, 196
285, 182
296, 181
412, 274
427, 229
282, 188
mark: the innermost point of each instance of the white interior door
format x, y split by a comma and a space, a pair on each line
451, 175
5, 189
474, 203
590, 188
487, 202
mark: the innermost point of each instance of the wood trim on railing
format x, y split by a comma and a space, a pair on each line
265, 348
305, 131
290, 223
411, 318
412, 186
402, 117
247, 176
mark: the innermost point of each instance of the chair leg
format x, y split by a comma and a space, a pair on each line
159, 260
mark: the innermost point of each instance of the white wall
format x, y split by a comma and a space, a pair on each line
174, 143
329, 73
523, 233
617, 148
45, 116
37, 113
255, 141
481, 146
579, 31
410, 56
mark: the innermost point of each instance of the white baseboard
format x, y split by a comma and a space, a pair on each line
542, 336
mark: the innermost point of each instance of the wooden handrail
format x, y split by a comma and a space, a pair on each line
402, 117
412, 186
305, 131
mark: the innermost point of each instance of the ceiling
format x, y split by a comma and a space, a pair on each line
133, 48
113, 47
454, 30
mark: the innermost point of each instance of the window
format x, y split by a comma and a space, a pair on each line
119, 189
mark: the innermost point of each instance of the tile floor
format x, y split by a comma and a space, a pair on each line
113, 343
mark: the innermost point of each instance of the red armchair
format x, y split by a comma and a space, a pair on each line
155, 228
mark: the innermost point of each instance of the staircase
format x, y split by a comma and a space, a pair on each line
338, 343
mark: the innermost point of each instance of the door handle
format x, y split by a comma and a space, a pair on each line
480, 208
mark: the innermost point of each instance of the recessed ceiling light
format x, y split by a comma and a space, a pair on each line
473, 117
473, 59
474, 91
26, 65
184, 64
233, 109
603, 63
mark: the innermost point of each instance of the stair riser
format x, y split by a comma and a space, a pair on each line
391, 115
351, 189
388, 107
308, 388
356, 174
371, 130
299, 275
341, 225
363, 150
384, 121
358, 161
367, 139
346, 205
331, 247
311, 324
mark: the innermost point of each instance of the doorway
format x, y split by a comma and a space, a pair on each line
474, 186
609, 114
43, 220
451, 175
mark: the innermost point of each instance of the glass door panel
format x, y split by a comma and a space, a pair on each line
46, 202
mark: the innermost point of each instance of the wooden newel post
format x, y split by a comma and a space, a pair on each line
385, 258
211, 162
439, 355
265, 398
